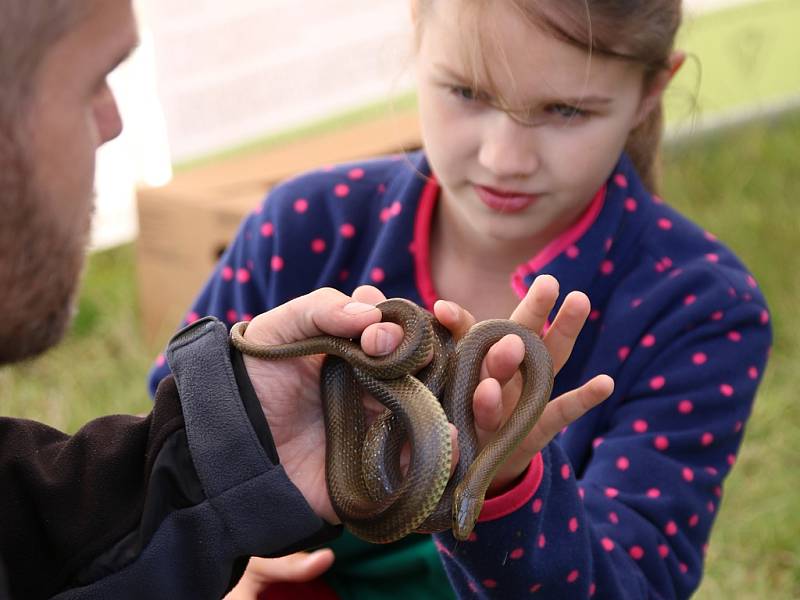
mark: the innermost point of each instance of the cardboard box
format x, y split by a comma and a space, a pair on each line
185, 226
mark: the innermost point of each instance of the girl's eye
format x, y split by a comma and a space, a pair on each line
567, 112
465, 93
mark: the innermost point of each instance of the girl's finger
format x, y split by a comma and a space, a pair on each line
560, 337
457, 319
535, 307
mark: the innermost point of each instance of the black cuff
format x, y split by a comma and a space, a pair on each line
252, 406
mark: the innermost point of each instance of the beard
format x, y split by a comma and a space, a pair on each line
40, 260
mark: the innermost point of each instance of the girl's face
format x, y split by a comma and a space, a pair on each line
503, 180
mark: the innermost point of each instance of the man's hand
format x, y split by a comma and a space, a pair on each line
289, 389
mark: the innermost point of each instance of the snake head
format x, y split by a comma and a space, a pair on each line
465, 514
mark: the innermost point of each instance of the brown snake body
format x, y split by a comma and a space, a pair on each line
368, 491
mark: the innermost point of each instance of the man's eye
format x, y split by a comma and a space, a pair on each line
566, 111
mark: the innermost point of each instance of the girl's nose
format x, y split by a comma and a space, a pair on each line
507, 149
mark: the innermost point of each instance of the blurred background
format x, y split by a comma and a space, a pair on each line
216, 93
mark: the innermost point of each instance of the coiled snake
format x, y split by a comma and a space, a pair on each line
368, 490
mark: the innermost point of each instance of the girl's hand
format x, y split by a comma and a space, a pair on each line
498, 392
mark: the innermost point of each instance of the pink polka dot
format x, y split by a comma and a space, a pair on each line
344, 275
738, 426
623, 352
300, 205
712, 471
636, 303
347, 230
537, 506
594, 315
688, 475
381, 188
609, 244
649, 340
731, 460
711, 257
621, 180
694, 520
653, 493
623, 463
631, 205
685, 407
161, 360
764, 317
710, 236
640, 426
232, 316
657, 382
658, 199
356, 174
573, 252
377, 275
726, 390
613, 518
396, 208
565, 471
752, 282
665, 224
385, 215
661, 442
267, 229
612, 492
472, 537
607, 267
276, 263
573, 576
473, 587
535, 588
717, 489
573, 525
663, 550
517, 553
752, 373
192, 317
608, 544
489, 584
227, 273
247, 317
242, 275
734, 336
671, 528
689, 300
699, 358
592, 589
717, 316
597, 442
684, 569
636, 552
318, 246
542, 541
581, 492
707, 439
342, 190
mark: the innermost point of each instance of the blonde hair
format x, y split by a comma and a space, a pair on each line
641, 31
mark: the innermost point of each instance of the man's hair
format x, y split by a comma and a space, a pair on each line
28, 28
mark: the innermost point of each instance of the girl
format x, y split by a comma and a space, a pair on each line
541, 123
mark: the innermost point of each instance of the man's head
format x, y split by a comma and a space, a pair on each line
55, 111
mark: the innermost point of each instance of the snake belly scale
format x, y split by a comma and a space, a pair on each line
369, 491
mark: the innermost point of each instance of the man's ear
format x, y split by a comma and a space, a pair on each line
655, 90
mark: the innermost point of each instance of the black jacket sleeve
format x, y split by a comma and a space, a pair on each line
169, 505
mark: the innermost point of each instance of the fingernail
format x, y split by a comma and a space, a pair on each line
356, 308
383, 342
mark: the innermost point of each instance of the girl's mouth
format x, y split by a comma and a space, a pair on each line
503, 200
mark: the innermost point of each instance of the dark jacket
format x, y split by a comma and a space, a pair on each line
166, 506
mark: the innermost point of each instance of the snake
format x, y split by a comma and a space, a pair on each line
427, 382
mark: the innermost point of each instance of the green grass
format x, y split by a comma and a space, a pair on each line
742, 185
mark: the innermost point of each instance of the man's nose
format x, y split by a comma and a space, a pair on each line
106, 115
